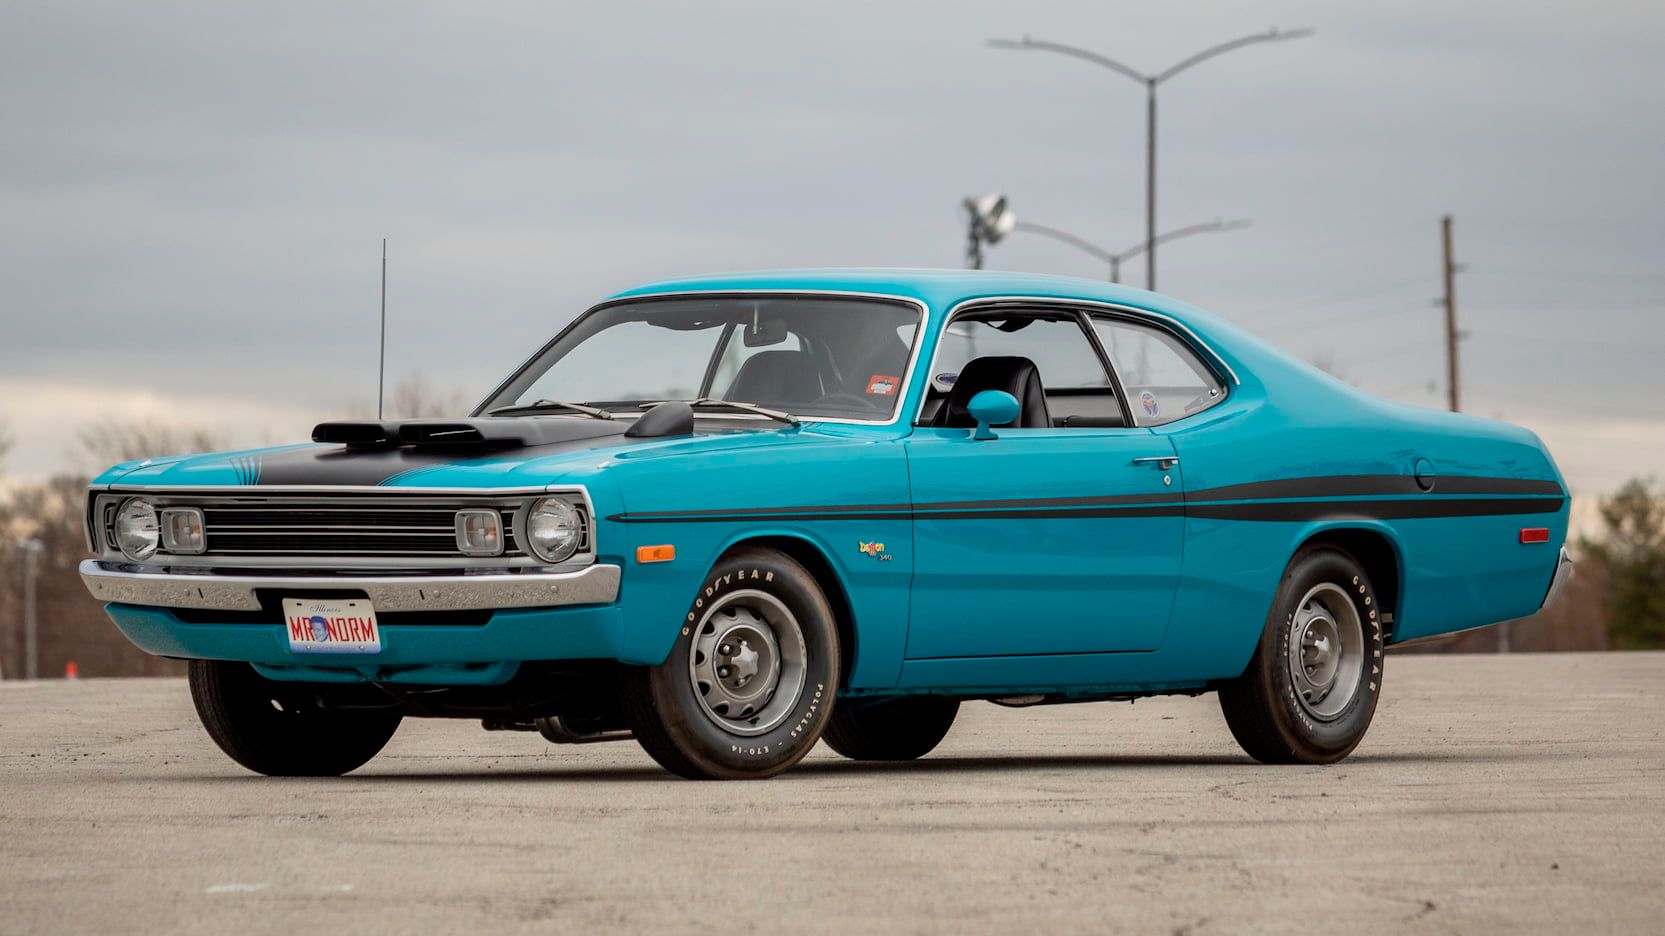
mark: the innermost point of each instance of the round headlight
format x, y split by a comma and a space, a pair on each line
554, 529
137, 531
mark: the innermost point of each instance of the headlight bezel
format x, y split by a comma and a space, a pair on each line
574, 512
119, 531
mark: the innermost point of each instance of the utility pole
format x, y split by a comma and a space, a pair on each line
1452, 336
31, 626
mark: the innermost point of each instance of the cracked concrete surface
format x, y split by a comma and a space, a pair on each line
1495, 794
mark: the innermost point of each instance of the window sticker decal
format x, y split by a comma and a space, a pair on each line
1147, 399
883, 384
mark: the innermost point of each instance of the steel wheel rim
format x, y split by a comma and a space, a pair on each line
746, 662
1326, 651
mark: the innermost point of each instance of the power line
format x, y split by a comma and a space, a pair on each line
1326, 322
1368, 292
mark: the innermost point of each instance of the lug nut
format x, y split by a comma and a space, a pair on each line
726, 650
723, 671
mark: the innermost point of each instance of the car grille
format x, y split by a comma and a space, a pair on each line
322, 530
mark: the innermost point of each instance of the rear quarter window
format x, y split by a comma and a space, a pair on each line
1163, 378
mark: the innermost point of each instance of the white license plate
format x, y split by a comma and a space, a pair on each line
332, 625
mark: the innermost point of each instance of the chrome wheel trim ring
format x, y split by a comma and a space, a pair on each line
747, 662
1325, 651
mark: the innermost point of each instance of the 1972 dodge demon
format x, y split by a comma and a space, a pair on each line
730, 516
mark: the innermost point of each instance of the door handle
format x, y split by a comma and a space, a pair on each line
1163, 462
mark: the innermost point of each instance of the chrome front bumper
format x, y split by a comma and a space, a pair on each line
1558, 584
594, 584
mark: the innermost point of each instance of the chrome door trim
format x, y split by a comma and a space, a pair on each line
1162, 320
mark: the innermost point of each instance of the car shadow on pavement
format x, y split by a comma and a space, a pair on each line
554, 770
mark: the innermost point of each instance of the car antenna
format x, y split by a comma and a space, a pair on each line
381, 367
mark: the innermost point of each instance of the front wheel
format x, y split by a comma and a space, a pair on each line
279, 729
1311, 688
746, 690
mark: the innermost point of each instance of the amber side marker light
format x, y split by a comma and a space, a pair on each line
1534, 535
659, 553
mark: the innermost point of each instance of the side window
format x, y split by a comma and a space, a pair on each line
1058, 348
1163, 378
1078, 391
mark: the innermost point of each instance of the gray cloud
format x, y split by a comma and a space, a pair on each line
194, 195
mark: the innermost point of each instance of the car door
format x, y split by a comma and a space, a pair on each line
1054, 540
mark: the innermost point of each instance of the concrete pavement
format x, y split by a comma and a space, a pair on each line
1493, 794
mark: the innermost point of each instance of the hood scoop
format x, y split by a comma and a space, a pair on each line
486, 431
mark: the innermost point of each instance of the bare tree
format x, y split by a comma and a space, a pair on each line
416, 397
111, 441
5, 443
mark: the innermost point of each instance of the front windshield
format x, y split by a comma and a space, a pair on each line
811, 356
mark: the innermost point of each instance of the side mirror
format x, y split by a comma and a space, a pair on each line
992, 408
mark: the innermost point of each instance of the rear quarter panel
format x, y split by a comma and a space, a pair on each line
1290, 423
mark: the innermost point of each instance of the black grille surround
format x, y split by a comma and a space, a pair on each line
323, 530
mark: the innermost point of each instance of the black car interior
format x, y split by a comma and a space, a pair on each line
1094, 406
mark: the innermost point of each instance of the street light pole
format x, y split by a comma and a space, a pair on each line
1116, 259
1150, 83
31, 627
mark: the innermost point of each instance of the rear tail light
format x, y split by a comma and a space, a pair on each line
1534, 534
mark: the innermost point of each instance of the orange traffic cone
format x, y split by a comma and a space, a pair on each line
70, 672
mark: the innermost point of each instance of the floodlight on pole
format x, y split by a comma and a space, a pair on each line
988, 220
1150, 82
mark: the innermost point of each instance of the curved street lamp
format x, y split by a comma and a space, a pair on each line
1116, 259
1150, 81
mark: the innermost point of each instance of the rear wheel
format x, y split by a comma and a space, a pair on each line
893, 730
1310, 690
279, 729
749, 684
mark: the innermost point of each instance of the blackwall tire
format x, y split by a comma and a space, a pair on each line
293, 737
1311, 689
749, 685
893, 730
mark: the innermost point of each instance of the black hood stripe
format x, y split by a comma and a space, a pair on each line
369, 467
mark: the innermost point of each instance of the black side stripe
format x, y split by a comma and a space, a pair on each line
1377, 510
1255, 501
1373, 485
1285, 511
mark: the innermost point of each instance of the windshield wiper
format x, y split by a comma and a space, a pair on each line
543, 406
709, 402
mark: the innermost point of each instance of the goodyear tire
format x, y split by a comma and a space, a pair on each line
1311, 688
278, 729
748, 687
893, 730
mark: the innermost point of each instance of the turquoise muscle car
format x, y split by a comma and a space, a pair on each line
731, 516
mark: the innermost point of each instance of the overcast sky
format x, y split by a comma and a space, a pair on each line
192, 196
